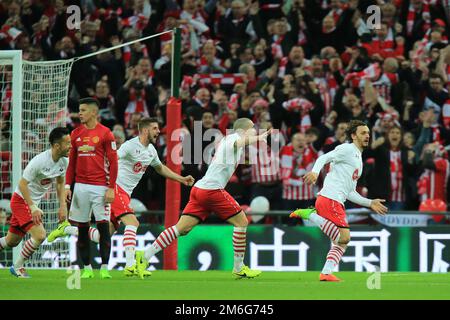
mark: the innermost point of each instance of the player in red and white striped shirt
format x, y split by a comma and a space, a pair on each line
37, 179
93, 167
297, 158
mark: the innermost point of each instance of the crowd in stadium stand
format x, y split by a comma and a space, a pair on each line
304, 67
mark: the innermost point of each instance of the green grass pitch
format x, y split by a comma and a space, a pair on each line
220, 285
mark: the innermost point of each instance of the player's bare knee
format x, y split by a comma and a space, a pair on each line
184, 230
39, 237
243, 223
12, 242
134, 223
344, 239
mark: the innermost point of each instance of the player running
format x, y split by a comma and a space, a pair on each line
36, 180
208, 195
135, 156
93, 167
339, 186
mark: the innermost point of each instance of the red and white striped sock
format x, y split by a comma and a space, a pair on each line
94, 235
3, 244
239, 244
29, 247
129, 243
334, 256
328, 227
163, 241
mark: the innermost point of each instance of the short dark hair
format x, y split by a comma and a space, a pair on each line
145, 123
90, 100
436, 76
313, 130
57, 134
352, 127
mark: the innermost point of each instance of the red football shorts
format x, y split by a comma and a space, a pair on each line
120, 206
203, 202
21, 220
332, 210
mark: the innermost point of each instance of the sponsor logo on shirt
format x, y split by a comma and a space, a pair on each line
355, 175
86, 148
46, 181
138, 167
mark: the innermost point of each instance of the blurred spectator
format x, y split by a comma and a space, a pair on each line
433, 182
297, 159
120, 138
305, 66
394, 165
265, 174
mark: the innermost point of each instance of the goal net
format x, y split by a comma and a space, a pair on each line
44, 99
33, 101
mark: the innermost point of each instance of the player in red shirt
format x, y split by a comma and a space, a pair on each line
93, 166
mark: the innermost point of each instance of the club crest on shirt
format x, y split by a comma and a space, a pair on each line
95, 139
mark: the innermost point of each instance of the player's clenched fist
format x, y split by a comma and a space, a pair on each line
310, 177
188, 181
109, 195
377, 206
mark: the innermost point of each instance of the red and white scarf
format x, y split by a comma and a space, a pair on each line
412, 17
220, 78
138, 22
126, 54
9, 33
302, 106
135, 104
372, 72
277, 50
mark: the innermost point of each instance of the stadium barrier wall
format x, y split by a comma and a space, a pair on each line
297, 248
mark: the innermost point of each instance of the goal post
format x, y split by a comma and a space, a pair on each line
13, 58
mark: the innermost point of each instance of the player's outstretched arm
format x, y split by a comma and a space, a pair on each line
322, 161
247, 140
377, 206
169, 174
61, 193
36, 213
